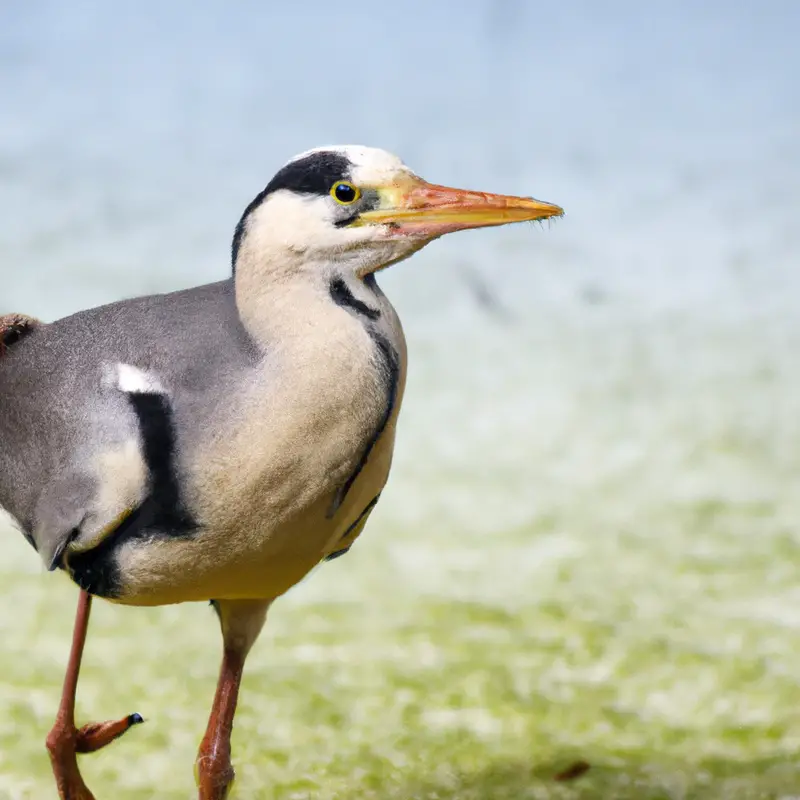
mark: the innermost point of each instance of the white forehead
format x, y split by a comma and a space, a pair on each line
371, 165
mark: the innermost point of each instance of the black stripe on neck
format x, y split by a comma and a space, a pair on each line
390, 366
342, 296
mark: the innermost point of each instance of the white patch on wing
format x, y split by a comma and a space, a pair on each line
133, 380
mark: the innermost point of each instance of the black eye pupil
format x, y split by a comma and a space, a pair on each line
345, 193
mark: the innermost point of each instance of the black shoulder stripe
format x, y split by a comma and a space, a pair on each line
161, 513
158, 443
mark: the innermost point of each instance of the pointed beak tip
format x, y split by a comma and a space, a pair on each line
545, 210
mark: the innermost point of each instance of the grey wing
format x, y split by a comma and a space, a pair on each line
71, 456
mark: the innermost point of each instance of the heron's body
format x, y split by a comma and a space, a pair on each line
270, 440
218, 443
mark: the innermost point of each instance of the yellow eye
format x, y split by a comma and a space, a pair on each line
345, 193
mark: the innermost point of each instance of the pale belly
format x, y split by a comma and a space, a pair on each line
256, 561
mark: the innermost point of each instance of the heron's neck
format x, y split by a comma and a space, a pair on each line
282, 298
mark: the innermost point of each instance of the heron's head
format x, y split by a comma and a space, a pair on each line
361, 209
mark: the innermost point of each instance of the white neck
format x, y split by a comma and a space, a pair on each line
281, 298
277, 295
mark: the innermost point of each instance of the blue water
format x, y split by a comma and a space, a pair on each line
132, 136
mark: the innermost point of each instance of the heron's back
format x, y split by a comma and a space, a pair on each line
53, 399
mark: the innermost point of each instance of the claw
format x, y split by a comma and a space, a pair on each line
96, 735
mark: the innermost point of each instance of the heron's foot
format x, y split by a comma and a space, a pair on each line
97, 735
65, 741
214, 774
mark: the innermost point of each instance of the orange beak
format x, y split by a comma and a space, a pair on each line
418, 208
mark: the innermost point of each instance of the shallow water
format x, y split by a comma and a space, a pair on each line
131, 139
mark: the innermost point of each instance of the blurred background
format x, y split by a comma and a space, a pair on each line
589, 547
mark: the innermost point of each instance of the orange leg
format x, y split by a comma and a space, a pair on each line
214, 769
241, 622
64, 740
